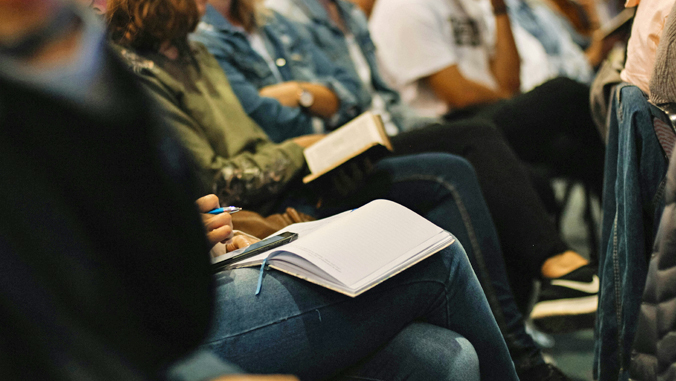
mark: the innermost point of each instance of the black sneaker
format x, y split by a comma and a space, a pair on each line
543, 372
567, 303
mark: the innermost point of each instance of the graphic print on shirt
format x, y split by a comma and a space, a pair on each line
465, 31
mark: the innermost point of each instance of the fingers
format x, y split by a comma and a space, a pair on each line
219, 235
239, 242
218, 227
207, 203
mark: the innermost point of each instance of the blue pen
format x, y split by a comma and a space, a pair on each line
227, 209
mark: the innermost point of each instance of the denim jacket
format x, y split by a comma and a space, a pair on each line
297, 59
331, 40
565, 56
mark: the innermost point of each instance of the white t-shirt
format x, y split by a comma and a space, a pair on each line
417, 38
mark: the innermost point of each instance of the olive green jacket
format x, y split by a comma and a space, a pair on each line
237, 159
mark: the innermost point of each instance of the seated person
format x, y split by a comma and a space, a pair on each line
244, 167
301, 94
445, 60
112, 281
341, 31
105, 273
640, 137
652, 352
528, 237
564, 57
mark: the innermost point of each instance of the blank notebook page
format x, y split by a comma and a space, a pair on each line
354, 246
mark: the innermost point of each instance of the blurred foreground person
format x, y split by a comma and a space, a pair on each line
105, 269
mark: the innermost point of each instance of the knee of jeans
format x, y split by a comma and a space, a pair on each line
440, 354
450, 167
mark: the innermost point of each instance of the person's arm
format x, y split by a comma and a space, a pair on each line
280, 122
505, 64
457, 91
246, 177
413, 45
218, 227
325, 103
330, 79
334, 77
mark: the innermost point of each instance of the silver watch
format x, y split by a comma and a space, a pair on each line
306, 99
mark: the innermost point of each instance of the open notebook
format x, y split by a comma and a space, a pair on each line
356, 250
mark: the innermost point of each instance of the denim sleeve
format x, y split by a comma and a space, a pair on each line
335, 77
278, 121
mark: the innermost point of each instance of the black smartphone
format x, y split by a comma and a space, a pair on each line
257, 248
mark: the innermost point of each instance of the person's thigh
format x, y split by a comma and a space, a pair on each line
296, 327
518, 212
421, 352
552, 125
441, 187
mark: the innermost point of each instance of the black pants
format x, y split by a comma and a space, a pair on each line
550, 126
528, 235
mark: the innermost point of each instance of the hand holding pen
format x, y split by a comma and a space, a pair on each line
226, 209
218, 224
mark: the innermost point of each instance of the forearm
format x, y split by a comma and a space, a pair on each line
453, 88
326, 102
506, 63
248, 179
595, 51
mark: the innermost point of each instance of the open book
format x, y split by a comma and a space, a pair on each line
355, 250
361, 134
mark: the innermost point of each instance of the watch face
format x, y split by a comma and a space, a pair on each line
306, 99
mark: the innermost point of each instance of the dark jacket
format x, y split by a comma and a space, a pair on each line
104, 267
654, 351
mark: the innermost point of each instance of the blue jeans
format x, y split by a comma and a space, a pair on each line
296, 327
443, 188
632, 205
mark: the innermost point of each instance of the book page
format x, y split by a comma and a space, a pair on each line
300, 228
343, 143
364, 241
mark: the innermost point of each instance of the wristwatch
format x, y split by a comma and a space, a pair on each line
305, 98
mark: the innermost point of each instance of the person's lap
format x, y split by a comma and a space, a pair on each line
550, 125
444, 189
297, 327
421, 352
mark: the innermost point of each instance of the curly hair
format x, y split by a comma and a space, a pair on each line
146, 24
